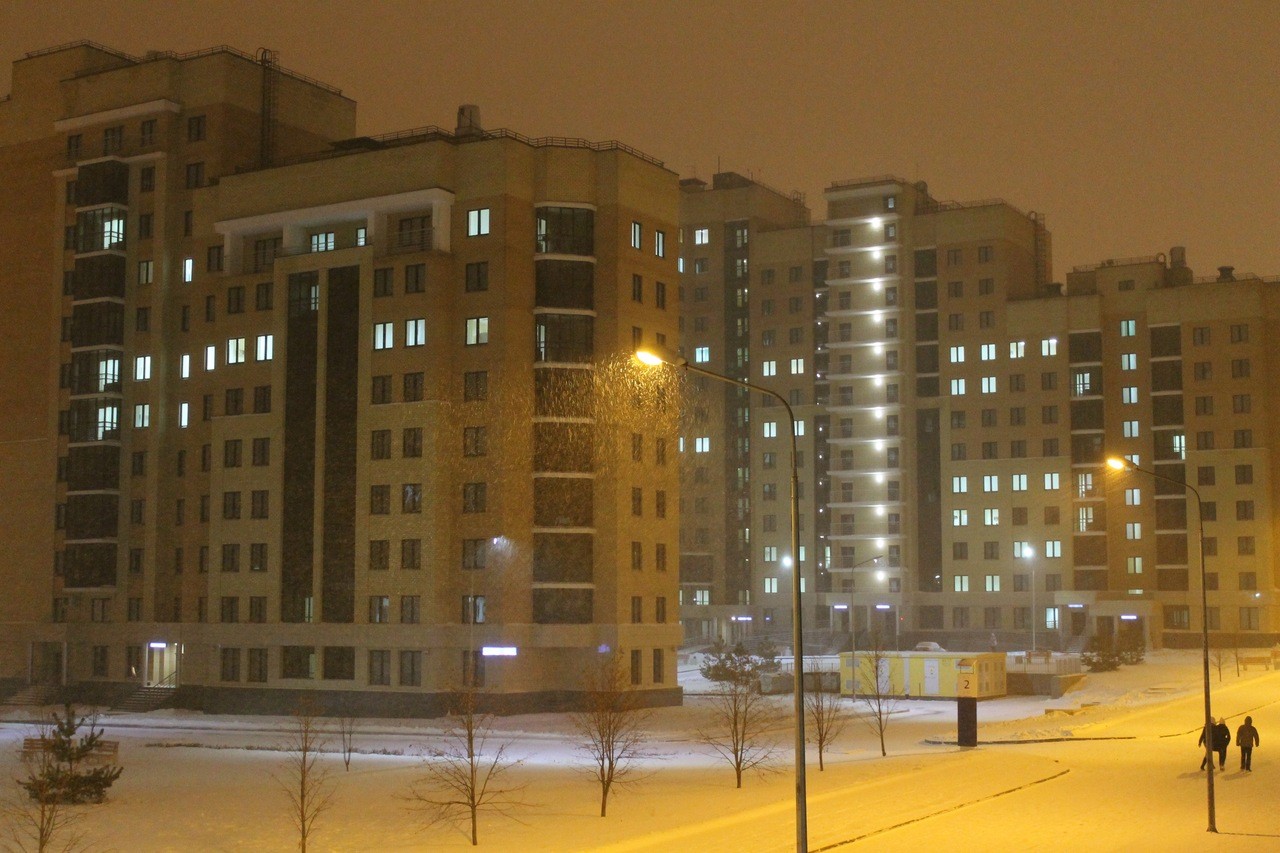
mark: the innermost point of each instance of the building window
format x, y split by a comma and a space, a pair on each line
379, 609
477, 277
478, 222
474, 497
384, 335
475, 553
637, 233
477, 331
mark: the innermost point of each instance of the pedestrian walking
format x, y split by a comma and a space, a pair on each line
1247, 739
1219, 740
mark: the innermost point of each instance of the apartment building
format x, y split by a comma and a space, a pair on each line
961, 408
349, 417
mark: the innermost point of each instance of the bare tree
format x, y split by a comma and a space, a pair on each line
34, 816
467, 774
305, 779
742, 719
1218, 656
611, 727
347, 737
879, 697
827, 717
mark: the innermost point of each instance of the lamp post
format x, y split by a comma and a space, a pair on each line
1119, 464
653, 356
853, 625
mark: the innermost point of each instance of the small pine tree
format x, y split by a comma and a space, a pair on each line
1131, 648
1100, 655
63, 778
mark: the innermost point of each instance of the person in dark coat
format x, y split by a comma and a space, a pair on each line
1247, 739
1220, 738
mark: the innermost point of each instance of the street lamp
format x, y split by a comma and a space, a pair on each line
1119, 464
853, 626
654, 356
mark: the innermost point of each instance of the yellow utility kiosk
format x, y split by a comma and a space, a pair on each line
927, 675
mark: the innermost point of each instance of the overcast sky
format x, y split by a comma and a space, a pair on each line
1132, 126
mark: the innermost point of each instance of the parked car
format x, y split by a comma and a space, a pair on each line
929, 647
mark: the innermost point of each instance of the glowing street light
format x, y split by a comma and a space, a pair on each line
654, 356
1117, 463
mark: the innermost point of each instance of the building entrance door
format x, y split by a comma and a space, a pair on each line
162, 664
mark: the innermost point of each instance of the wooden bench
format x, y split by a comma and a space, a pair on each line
106, 752
1263, 661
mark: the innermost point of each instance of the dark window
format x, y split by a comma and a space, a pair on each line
477, 276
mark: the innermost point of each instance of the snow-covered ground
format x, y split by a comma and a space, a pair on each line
1114, 766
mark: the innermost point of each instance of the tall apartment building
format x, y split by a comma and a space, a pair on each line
960, 407
335, 414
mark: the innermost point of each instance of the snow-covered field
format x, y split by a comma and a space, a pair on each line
1115, 767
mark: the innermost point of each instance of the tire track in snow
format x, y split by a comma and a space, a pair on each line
948, 810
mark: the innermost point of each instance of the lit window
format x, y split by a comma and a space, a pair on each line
1049, 346
797, 366
960, 583
1133, 497
660, 243
1052, 482
362, 236
988, 352
701, 236
142, 368
636, 235
145, 272
1134, 565
957, 387
770, 429
957, 355
701, 355
1128, 328
1130, 429
265, 347
323, 242
991, 483
993, 583
1129, 361
188, 270
384, 335
184, 414
142, 415
477, 331
1053, 548
771, 554
1051, 618
184, 366
1022, 550
1017, 349
959, 518
1129, 395
210, 357
1133, 530
959, 485
771, 585
799, 428
769, 368
991, 517
988, 385
702, 444
415, 332
1018, 482
478, 222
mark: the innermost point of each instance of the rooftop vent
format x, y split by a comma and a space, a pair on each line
1226, 273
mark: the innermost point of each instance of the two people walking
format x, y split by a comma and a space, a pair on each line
1220, 738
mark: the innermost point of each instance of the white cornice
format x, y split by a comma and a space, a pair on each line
119, 114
